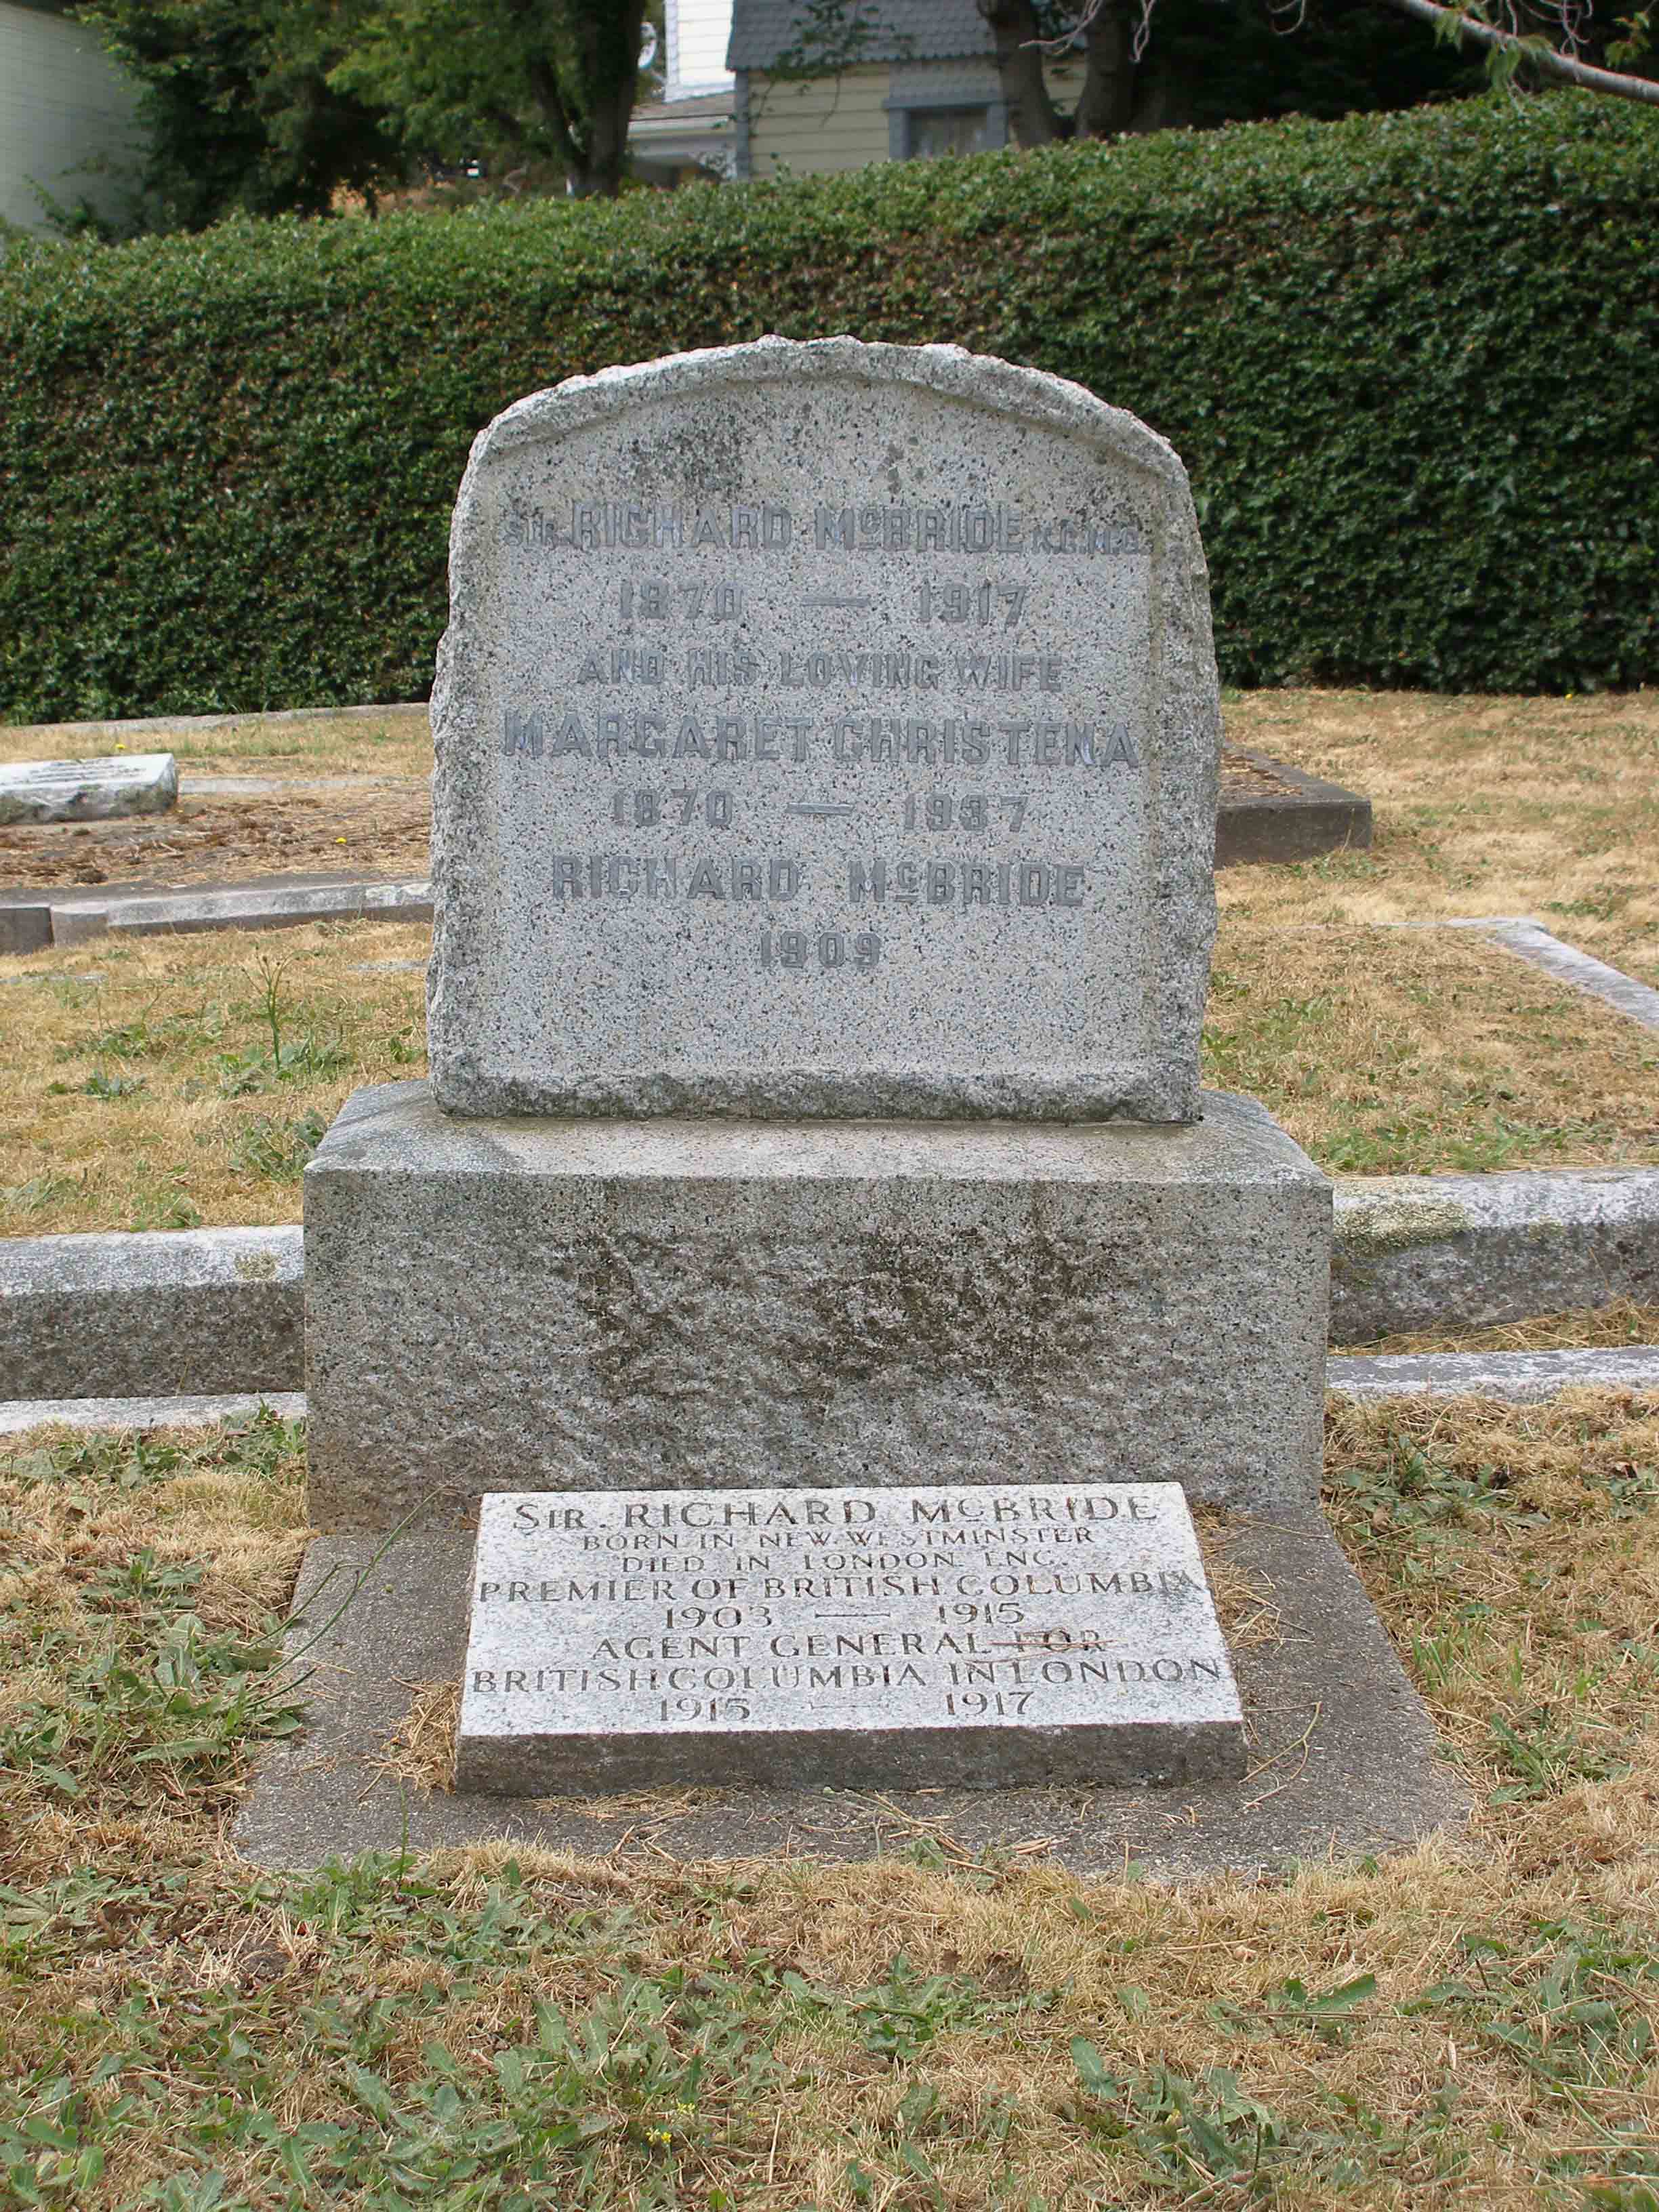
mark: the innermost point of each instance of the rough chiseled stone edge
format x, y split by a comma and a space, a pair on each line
1184, 759
813, 1094
1516, 1378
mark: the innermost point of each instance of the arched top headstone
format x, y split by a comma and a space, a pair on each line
823, 729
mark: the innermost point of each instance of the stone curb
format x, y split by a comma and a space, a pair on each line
79, 922
1514, 1378
146, 1413
192, 1309
1308, 816
1519, 1378
1534, 942
213, 1310
1470, 1251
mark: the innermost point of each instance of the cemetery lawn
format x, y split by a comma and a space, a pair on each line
1548, 807
160, 1083
383, 741
1483, 806
1592, 1329
1472, 2023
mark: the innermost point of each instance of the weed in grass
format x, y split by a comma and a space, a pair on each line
302, 1059
897, 2017
1547, 1755
163, 1201
277, 1150
127, 1460
102, 1083
306, 1059
145, 1038
42, 1194
156, 1687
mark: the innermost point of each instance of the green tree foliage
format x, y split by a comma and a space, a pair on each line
1141, 70
271, 106
517, 81
239, 110
1406, 359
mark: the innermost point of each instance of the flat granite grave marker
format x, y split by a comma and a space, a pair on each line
88, 790
952, 1636
823, 729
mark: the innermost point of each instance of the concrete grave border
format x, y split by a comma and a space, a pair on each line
1343, 1755
121, 1315
1516, 1378
195, 1311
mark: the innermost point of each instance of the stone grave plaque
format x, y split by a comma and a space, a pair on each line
963, 1635
823, 730
88, 790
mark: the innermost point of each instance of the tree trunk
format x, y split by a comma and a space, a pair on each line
607, 36
1036, 120
1107, 99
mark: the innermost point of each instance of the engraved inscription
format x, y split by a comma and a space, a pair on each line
784, 1610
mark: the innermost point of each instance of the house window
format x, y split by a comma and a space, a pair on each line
936, 130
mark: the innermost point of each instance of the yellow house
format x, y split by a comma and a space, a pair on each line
921, 81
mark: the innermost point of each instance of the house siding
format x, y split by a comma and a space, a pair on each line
844, 122
825, 123
63, 101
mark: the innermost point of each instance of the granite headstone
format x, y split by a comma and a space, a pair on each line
88, 790
823, 730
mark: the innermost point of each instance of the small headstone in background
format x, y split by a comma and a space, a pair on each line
962, 1635
88, 790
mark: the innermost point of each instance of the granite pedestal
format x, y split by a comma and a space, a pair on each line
532, 1304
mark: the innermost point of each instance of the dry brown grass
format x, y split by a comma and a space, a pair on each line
423, 1752
208, 1135
1578, 1329
1394, 1051
904, 2033
1483, 806
386, 741
1407, 1051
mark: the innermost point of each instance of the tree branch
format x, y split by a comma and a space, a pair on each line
1544, 59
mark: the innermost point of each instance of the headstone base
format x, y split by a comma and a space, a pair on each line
1343, 1756
953, 1637
618, 1305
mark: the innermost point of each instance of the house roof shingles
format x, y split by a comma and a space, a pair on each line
900, 31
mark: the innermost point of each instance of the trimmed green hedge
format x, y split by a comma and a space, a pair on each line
1408, 360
